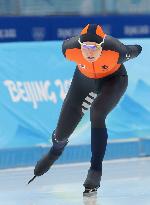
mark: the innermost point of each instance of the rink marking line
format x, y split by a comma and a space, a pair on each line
124, 140
111, 141
79, 164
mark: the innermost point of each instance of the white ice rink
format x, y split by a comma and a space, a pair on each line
124, 182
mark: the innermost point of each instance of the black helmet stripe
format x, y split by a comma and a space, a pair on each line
92, 29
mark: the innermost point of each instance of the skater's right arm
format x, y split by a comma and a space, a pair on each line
71, 47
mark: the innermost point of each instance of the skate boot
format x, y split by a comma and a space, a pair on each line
45, 163
92, 182
48, 160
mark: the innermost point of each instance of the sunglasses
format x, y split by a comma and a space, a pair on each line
90, 46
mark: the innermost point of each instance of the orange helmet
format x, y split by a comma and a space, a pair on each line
93, 33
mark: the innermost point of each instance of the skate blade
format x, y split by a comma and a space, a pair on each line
90, 193
31, 180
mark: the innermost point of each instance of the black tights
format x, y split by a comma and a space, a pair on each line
109, 90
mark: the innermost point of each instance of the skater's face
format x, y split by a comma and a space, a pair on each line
91, 51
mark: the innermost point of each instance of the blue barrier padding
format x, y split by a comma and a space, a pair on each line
34, 79
25, 157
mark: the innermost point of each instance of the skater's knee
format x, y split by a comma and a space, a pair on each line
97, 118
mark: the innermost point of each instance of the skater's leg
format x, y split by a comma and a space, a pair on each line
110, 94
71, 114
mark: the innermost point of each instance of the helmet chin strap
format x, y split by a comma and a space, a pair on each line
103, 40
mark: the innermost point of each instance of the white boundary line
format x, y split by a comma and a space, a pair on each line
109, 141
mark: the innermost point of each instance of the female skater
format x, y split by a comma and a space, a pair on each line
100, 76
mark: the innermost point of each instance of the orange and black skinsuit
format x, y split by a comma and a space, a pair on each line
107, 77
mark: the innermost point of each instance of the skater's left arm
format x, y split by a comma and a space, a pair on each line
126, 52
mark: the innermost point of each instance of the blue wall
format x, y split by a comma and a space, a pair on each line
34, 78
